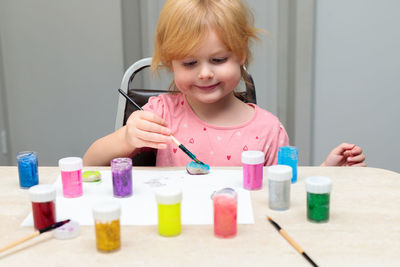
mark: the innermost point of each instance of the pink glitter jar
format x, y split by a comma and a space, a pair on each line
71, 176
253, 163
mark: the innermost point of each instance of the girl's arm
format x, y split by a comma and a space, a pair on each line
103, 150
143, 129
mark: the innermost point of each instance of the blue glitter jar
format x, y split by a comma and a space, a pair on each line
27, 168
288, 155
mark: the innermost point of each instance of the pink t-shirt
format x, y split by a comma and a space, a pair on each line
215, 145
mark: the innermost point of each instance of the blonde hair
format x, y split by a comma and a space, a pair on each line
183, 24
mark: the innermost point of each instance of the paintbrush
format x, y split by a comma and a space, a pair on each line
182, 147
34, 234
291, 241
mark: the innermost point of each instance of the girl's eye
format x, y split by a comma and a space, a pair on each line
189, 64
219, 60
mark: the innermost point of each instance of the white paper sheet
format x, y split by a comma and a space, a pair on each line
141, 207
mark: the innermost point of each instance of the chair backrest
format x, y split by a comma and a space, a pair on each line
141, 96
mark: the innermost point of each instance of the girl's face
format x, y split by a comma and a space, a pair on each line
210, 74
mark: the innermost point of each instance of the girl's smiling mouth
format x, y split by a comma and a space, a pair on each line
208, 87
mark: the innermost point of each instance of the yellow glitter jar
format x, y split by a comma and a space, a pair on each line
107, 225
169, 211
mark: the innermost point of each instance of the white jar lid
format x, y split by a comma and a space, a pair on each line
279, 173
253, 157
67, 231
318, 184
42, 193
107, 210
168, 195
70, 164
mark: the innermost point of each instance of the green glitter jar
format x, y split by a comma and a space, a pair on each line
318, 198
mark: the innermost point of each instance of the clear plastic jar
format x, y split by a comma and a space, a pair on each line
225, 213
169, 211
27, 168
71, 176
279, 186
318, 198
121, 169
43, 197
288, 155
106, 216
253, 164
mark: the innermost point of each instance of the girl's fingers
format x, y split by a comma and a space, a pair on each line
155, 145
152, 137
149, 126
342, 148
149, 116
356, 150
362, 164
356, 159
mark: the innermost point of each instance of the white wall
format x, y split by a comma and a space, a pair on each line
357, 86
62, 65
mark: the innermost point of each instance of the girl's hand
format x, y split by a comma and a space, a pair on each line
345, 155
146, 129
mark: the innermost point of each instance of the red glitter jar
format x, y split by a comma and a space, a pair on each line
43, 205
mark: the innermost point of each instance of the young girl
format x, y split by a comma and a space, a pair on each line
206, 46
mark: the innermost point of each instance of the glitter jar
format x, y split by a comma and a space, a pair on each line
288, 155
318, 198
279, 186
107, 225
43, 198
121, 169
71, 176
253, 163
225, 213
27, 168
169, 211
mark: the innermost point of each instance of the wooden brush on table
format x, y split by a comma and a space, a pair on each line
291, 241
34, 234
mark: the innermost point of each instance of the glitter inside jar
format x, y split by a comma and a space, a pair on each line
318, 198
107, 225
121, 169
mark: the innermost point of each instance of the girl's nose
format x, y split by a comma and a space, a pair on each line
206, 72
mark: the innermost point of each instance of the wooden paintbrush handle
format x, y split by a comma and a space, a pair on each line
26, 238
291, 241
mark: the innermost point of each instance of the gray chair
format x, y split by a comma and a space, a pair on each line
141, 96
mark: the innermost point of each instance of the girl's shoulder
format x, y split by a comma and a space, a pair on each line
264, 116
170, 99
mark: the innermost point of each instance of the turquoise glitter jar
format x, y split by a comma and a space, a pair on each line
318, 198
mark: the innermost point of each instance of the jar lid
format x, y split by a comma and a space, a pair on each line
27, 155
70, 164
42, 193
107, 210
226, 192
67, 231
318, 184
279, 172
253, 157
121, 162
168, 195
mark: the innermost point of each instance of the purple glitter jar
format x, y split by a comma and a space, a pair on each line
121, 169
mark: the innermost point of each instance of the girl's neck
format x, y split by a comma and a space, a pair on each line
228, 111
